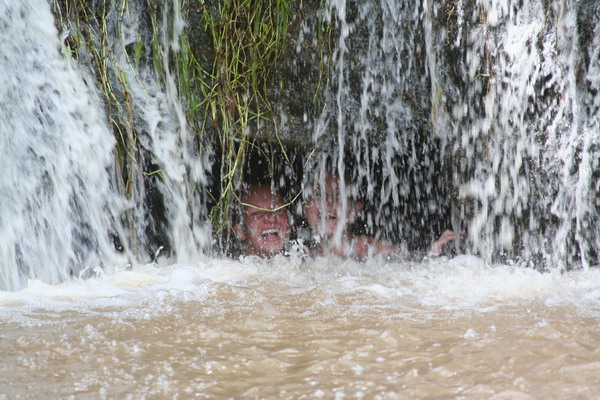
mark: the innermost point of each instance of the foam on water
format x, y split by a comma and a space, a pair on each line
459, 284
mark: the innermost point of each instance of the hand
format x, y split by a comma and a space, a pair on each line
437, 247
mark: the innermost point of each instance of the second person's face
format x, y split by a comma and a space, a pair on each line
322, 208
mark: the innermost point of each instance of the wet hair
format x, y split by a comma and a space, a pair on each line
244, 193
319, 166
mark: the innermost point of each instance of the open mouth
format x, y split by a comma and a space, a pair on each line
331, 217
270, 234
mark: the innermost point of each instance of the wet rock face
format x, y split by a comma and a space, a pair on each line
420, 97
479, 117
319, 68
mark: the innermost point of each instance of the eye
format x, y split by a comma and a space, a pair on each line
257, 214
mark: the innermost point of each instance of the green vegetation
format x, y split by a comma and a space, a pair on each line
246, 38
224, 65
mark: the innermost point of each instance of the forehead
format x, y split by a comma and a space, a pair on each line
331, 185
263, 197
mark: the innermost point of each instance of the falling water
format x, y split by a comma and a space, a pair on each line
64, 213
169, 149
59, 212
479, 117
523, 124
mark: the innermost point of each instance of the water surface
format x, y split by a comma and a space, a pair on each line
327, 328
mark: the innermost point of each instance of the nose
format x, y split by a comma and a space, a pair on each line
331, 205
271, 217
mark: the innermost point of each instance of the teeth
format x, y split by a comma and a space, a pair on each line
331, 216
269, 232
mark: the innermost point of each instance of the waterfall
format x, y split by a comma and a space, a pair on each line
523, 124
67, 210
477, 116
168, 209
379, 110
59, 211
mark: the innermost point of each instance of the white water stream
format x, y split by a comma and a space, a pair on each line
58, 207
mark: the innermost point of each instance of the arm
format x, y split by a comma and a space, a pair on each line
437, 248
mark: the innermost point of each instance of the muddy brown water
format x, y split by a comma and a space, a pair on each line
329, 328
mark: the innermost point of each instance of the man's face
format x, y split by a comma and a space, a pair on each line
265, 232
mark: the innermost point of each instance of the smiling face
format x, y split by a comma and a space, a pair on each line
323, 208
265, 228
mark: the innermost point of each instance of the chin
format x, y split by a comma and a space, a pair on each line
270, 250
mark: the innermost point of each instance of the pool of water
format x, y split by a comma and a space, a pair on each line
287, 329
